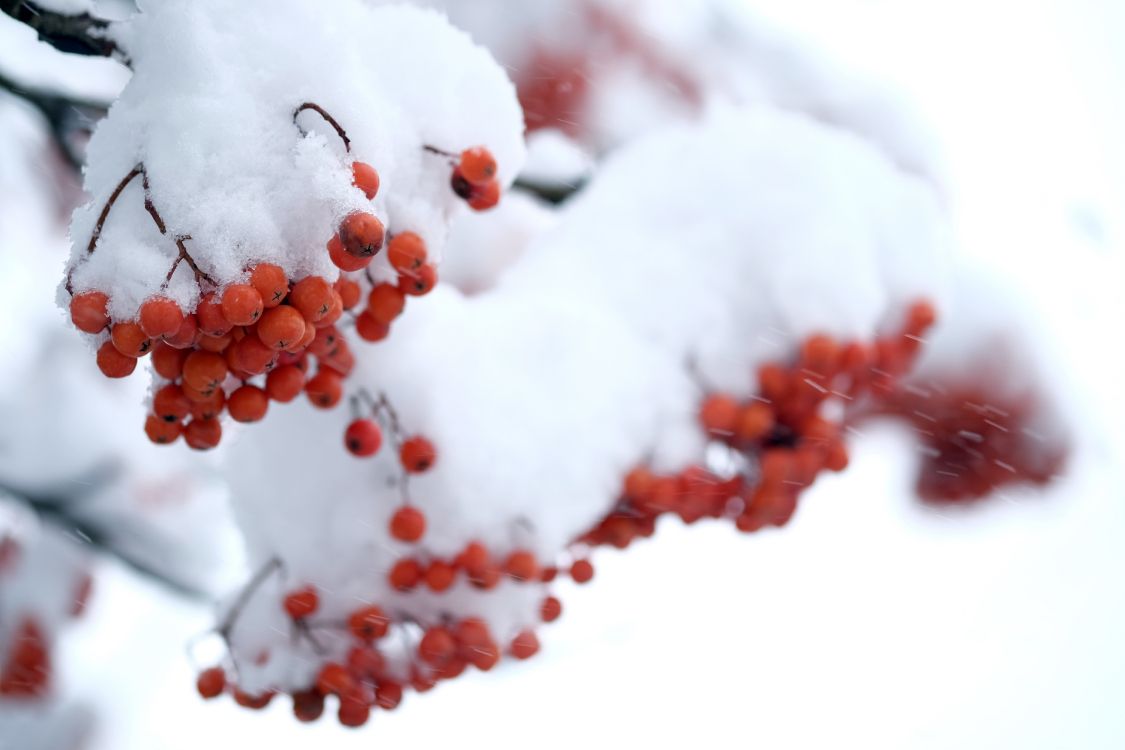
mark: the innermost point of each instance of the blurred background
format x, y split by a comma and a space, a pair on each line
871, 619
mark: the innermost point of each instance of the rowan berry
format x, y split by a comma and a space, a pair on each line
344, 260
215, 344
385, 303
203, 434
363, 437
755, 421
417, 454
281, 326
308, 705
439, 576
130, 340
581, 571
160, 316
160, 431
349, 291
325, 389
485, 196
525, 645
167, 361
365, 178
242, 304
369, 329
719, 415
88, 311
406, 251
550, 609
477, 165
113, 363
205, 371
211, 682
368, 624
334, 680
408, 524
170, 404
353, 710
301, 603
210, 316
437, 646
522, 566
388, 695
185, 336
362, 234
312, 296
271, 282
405, 574
247, 404
418, 282
251, 355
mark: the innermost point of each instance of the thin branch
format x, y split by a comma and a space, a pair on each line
69, 118
327, 118
109, 207
551, 192
80, 35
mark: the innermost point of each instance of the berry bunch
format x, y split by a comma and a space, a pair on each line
268, 336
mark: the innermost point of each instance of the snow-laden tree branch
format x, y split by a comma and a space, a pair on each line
76, 33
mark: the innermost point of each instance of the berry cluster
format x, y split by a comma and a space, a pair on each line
256, 340
783, 434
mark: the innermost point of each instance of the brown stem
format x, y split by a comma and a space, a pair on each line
327, 118
139, 169
439, 152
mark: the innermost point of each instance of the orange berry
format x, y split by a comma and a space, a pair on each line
211, 682
271, 282
362, 234
167, 361
368, 624
385, 303
203, 434
408, 524
581, 571
326, 341
185, 336
284, 384
719, 415
160, 431
212, 321
406, 251
301, 603
281, 326
365, 178
205, 371
369, 329
405, 574
242, 304
308, 706
364, 661
388, 695
207, 407
525, 645
312, 296
335, 310
363, 437
334, 680
440, 576
248, 404
160, 316
919, 318
215, 344
472, 632
477, 165
344, 260
474, 558
437, 646
485, 196
353, 710
325, 388
754, 422
550, 609
250, 355
130, 340
171, 404
418, 282
349, 291
417, 454
522, 566
820, 354
88, 311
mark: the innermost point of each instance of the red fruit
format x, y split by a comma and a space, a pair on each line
550, 609
251, 356
203, 434
485, 657
439, 576
522, 566
353, 711
205, 371
207, 407
405, 574
308, 706
369, 329
302, 602
281, 326
215, 344
185, 336
271, 282
349, 291
130, 340
325, 389
88, 311
820, 355
312, 296
408, 524
406, 251
417, 454
418, 282
167, 361
334, 680
485, 196
368, 624
385, 303
477, 165
365, 178
210, 316
525, 645
343, 259
335, 310
388, 695
363, 437
284, 384
362, 234
365, 662
113, 363
719, 415
255, 702
248, 404
160, 431
160, 316
325, 342
211, 682
472, 633
754, 422
474, 558
437, 646
581, 571
171, 404
242, 304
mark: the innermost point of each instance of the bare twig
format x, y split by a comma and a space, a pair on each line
71, 119
327, 118
77, 34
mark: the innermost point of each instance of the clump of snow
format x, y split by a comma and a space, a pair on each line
695, 255
210, 115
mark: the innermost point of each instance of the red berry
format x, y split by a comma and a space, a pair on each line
385, 303
485, 196
369, 329
212, 321
203, 434
325, 389
206, 407
280, 327
363, 437
88, 311
343, 260
247, 404
312, 296
130, 340
211, 682
242, 304
353, 711
271, 282
581, 571
440, 576
334, 680
308, 705
522, 566
550, 609
719, 415
251, 356
407, 251
160, 316
170, 404
525, 645
474, 559
408, 524
205, 371
362, 234
417, 454
349, 291
405, 574
302, 603
477, 165
113, 363
365, 662
418, 282
368, 624
161, 431
365, 178
185, 336
388, 695
284, 384
167, 361
437, 646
